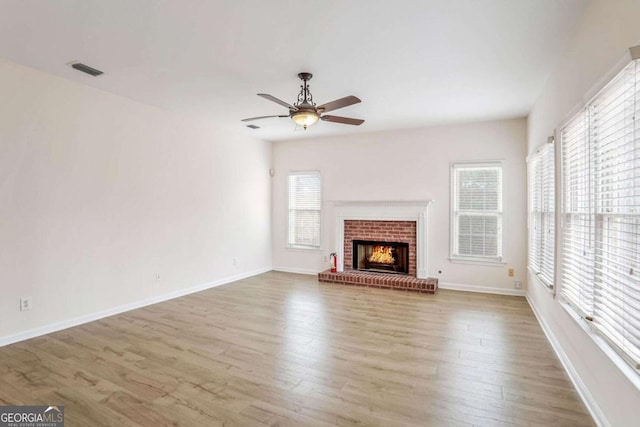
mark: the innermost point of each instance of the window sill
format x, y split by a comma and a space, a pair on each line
296, 248
547, 286
478, 261
627, 370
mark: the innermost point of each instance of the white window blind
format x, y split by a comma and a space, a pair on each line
601, 210
477, 211
578, 249
542, 214
304, 209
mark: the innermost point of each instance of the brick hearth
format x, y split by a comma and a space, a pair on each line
380, 280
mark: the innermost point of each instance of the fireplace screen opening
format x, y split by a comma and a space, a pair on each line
383, 257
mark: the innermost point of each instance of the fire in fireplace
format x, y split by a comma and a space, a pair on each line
385, 257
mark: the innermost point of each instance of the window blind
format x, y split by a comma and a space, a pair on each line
304, 209
542, 214
578, 250
617, 208
477, 211
602, 212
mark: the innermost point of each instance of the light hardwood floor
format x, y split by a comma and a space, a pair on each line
282, 349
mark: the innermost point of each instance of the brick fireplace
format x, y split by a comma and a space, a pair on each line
378, 212
380, 231
402, 222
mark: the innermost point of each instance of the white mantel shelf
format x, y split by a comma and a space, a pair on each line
409, 210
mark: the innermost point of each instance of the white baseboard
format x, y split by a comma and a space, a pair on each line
481, 289
296, 270
585, 395
58, 326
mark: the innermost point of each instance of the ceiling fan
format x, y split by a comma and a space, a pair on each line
305, 112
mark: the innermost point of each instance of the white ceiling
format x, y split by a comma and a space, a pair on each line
412, 62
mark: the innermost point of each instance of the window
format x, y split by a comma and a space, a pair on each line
477, 212
304, 210
601, 213
542, 214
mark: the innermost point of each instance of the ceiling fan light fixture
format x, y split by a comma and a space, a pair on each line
305, 118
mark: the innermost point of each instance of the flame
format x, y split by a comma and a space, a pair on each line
382, 255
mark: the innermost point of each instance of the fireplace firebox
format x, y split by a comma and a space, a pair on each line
383, 257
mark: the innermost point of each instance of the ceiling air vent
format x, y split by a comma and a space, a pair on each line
86, 69
253, 126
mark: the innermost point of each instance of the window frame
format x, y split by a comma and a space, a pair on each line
298, 246
540, 160
454, 257
628, 363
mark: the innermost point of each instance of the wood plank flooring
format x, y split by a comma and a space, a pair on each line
281, 349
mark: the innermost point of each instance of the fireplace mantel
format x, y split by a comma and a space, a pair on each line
385, 211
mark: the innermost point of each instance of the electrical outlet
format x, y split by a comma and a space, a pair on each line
325, 258
25, 304
517, 284
157, 277
235, 261
511, 272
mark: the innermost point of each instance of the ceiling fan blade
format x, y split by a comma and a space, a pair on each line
344, 120
278, 101
258, 118
339, 103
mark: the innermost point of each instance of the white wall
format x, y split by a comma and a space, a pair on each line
607, 29
98, 194
407, 165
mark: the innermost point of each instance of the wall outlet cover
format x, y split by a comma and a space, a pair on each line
25, 304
